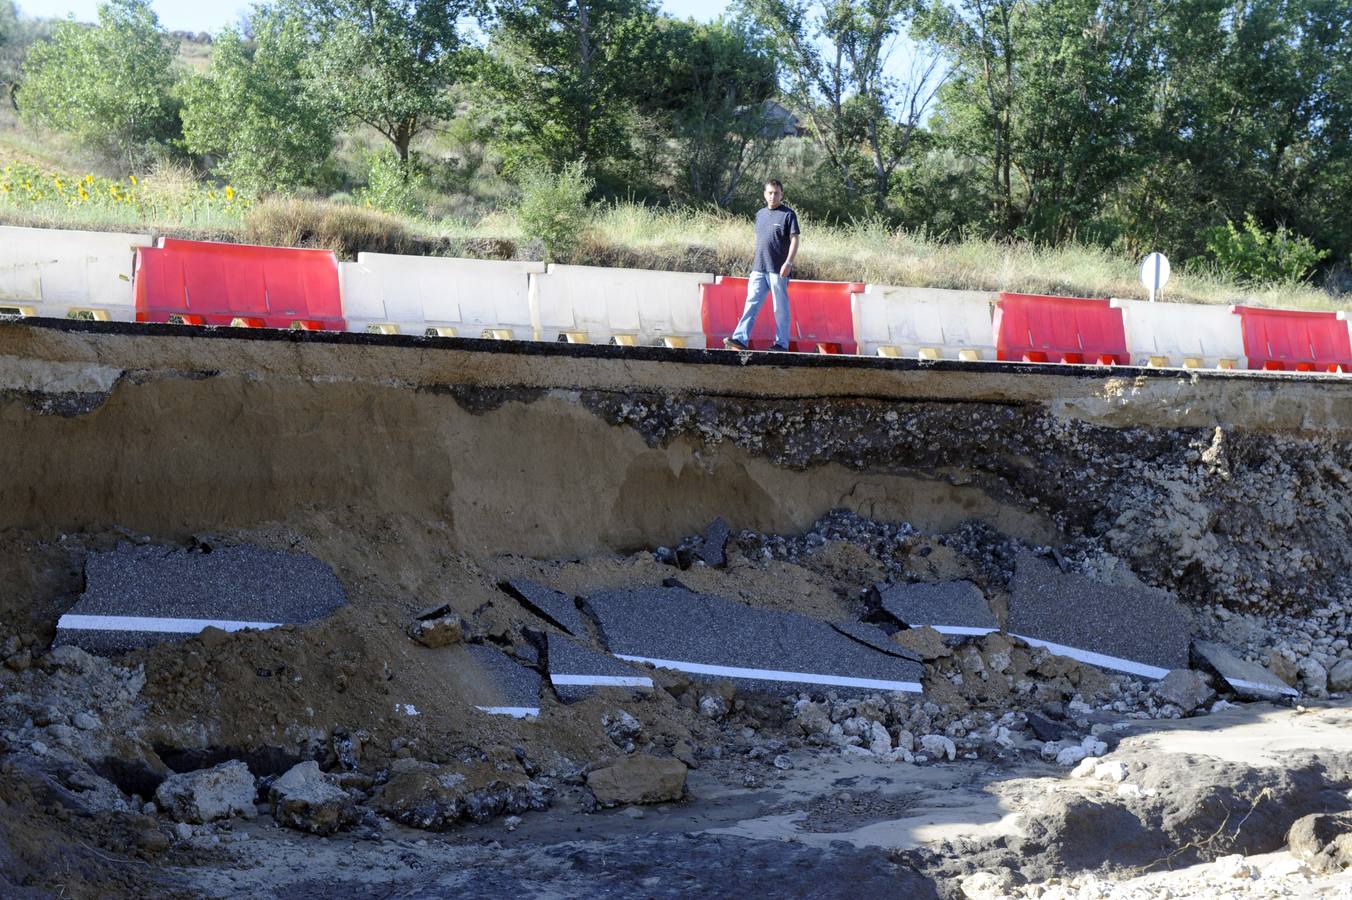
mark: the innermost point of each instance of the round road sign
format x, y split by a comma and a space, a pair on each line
1155, 273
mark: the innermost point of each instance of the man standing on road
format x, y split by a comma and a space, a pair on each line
776, 246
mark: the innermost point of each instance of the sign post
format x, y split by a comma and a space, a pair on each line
1155, 273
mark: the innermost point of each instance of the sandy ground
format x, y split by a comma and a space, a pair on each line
833, 814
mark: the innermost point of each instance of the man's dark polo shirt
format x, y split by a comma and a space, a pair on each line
774, 228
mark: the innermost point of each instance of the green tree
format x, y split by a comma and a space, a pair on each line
716, 81
109, 85
255, 108
836, 53
1052, 96
567, 74
1252, 112
390, 64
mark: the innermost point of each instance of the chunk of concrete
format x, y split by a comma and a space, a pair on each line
437, 631
576, 670
501, 686
554, 606
710, 637
308, 800
949, 607
1248, 680
639, 778
1185, 688
208, 794
1140, 631
137, 595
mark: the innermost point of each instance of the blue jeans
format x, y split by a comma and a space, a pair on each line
758, 285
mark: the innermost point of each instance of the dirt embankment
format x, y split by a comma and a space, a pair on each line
1226, 488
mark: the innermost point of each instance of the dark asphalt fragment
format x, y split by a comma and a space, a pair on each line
1245, 678
549, 604
506, 688
949, 607
576, 670
875, 637
714, 549
711, 637
1137, 630
137, 595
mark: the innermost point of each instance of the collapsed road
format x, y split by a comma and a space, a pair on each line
440, 615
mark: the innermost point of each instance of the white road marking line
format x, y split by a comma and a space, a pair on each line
516, 712
775, 675
1102, 660
150, 623
962, 629
1266, 688
601, 680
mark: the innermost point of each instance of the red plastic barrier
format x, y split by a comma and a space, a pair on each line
819, 315
205, 283
1035, 328
1285, 339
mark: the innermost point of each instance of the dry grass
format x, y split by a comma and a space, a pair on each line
705, 241
344, 228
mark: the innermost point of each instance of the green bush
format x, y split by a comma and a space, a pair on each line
553, 207
392, 185
1255, 256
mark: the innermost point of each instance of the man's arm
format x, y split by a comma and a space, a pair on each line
785, 269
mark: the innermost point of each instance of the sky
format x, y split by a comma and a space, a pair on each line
213, 15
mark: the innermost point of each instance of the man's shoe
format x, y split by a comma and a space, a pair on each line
778, 349
733, 344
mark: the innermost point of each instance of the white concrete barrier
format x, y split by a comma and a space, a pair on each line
925, 323
1182, 334
52, 272
454, 297
592, 304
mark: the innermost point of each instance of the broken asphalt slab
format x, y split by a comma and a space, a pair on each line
138, 595
949, 607
1246, 679
547, 603
576, 670
505, 687
1138, 630
875, 637
712, 637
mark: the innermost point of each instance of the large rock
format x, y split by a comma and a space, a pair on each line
639, 779
308, 800
1184, 688
1340, 676
1324, 840
434, 797
208, 794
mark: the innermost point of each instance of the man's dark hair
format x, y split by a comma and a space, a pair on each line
775, 181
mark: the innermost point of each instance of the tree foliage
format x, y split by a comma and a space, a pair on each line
716, 82
255, 109
836, 55
109, 85
567, 75
390, 64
